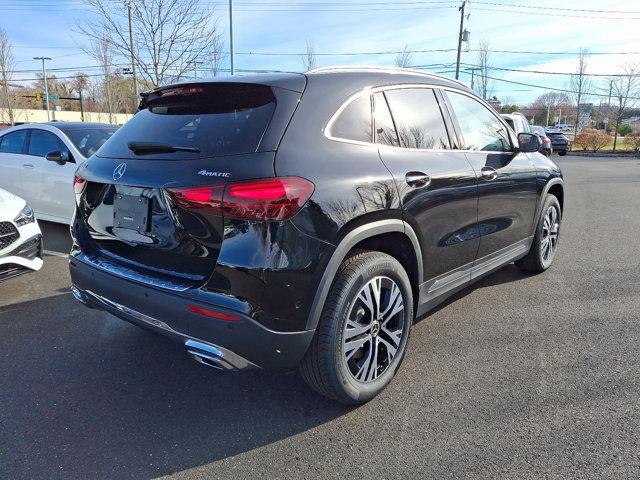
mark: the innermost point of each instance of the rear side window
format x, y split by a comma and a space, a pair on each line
418, 118
208, 119
384, 127
42, 142
354, 122
480, 128
12, 142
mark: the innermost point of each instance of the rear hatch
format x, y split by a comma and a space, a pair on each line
149, 202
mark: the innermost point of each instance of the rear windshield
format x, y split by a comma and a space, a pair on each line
89, 140
207, 119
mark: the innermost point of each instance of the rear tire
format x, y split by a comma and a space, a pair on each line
360, 341
545, 241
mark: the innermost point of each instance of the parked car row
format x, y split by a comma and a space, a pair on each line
552, 140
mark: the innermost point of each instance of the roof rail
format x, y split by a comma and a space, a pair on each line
334, 68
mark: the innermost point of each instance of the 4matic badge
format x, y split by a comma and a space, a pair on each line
207, 173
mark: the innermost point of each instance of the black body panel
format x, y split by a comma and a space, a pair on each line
275, 275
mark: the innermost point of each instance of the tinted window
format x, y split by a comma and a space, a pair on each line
89, 140
418, 118
511, 124
479, 127
12, 142
215, 119
42, 142
354, 122
385, 130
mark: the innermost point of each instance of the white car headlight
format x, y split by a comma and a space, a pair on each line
25, 216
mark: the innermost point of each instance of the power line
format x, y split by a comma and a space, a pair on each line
599, 17
541, 72
538, 7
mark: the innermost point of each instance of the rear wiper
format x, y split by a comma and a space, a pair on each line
140, 148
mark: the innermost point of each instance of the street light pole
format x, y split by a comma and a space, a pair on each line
46, 86
460, 38
231, 35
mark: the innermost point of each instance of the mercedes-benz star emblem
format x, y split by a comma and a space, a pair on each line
118, 172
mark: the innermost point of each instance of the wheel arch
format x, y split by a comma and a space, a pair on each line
374, 236
558, 190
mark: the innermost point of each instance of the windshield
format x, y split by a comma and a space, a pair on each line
201, 120
89, 140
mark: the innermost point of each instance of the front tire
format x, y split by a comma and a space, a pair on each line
363, 332
545, 241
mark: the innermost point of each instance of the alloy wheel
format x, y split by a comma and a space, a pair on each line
550, 230
373, 332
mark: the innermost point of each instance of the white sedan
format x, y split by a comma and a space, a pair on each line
20, 237
38, 162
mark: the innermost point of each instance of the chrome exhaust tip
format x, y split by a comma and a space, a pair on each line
207, 355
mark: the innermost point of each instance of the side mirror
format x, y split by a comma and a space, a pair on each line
529, 142
57, 156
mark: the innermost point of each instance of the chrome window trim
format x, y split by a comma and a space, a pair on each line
371, 90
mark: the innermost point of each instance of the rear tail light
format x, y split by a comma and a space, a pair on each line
79, 185
271, 199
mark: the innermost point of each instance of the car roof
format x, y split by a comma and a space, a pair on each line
357, 77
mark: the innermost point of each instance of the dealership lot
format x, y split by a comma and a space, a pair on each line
517, 376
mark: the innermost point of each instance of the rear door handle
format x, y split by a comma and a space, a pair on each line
417, 179
29, 166
489, 173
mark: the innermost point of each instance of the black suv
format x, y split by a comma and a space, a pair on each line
559, 142
290, 220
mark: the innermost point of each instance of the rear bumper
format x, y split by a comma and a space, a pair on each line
233, 345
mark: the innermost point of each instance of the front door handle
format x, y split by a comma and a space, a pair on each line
489, 173
417, 179
29, 166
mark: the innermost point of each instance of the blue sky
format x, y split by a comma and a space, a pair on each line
45, 27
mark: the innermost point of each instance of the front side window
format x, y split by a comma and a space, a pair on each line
418, 118
354, 122
12, 142
480, 128
385, 130
42, 142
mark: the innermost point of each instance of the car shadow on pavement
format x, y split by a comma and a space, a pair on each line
508, 274
86, 395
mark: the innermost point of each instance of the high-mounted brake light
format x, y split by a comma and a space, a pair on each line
180, 91
271, 199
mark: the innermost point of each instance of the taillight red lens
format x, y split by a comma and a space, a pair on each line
265, 199
79, 184
209, 198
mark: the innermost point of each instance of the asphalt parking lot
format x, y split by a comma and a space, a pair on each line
516, 377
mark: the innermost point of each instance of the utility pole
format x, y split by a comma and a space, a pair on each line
81, 106
46, 86
610, 90
461, 8
548, 113
231, 35
133, 63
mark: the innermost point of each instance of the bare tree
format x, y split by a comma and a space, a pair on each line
309, 58
580, 84
625, 91
102, 51
404, 59
6, 67
550, 103
484, 86
169, 35
217, 56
